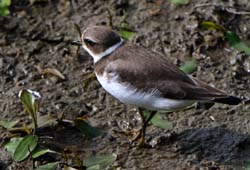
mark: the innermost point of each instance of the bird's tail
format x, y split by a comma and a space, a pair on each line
215, 95
231, 100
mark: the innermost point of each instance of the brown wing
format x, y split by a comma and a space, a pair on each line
149, 71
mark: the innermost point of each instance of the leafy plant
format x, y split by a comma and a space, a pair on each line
31, 103
48, 166
99, 162
28, 146
8, 124
231, 36
25, 147
190, 66
22, 147
159, 122
40, 151
4, 7
237, 43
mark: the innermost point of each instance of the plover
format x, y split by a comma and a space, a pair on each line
143, 78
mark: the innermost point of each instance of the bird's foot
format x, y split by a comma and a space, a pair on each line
139, 137
137, 133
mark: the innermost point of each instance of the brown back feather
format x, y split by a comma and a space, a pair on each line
149, 71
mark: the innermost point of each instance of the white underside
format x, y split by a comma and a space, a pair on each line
129, 95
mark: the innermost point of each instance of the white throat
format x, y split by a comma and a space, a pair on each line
108, 51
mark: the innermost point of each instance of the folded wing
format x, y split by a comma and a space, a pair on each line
149, 71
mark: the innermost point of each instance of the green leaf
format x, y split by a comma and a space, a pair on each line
69, 168
27, 145
246, 165
212, 26
237, 43
94, 167
8, 2
100, 161
159, 122
8, 124
39, 152
5, 3
232, 37
189, 66
48, 166
31, 101
179, 2
87, 129
126, 34
4, 11
12, 145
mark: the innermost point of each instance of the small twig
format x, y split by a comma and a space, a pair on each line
78, 29
228, 8
45, 137
110, 18
237, 12
67, 121
204, 5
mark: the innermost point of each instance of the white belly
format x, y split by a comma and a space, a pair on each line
129, 95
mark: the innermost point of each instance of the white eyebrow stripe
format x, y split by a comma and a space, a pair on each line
88, 38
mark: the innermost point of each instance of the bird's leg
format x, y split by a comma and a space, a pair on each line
142, 131
144, 127
140, 110
138, 133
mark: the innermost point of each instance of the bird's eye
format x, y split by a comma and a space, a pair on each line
89, 42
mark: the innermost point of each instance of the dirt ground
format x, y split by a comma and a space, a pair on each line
39, 36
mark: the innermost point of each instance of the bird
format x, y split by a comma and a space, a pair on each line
140, 77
